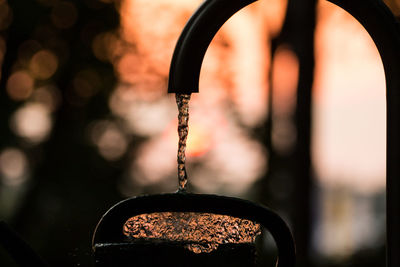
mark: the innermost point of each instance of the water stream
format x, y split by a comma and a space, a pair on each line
198, 232
182, 100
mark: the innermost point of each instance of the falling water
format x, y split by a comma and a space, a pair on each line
182, 100
199, 232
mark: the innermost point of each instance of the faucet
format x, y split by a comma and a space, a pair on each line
194, 40
383, 28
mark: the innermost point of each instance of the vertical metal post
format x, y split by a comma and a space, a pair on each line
385, 31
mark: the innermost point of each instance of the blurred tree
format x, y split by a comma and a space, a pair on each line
54, 67
287, 186
71, 185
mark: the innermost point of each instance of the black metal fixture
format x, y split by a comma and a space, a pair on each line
384, 29
184, 79
113, 248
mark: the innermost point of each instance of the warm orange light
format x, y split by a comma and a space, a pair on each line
104, 46
274, 11
233, 94
198, 142
32, 122
20, 85
130, 68
284, 80
48, 95
109, 139
245, 63
3, 47
43, 64
349, 104
6, 15
199, 139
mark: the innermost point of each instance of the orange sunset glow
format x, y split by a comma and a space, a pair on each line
290, 114
143, 65
348, 99
235, 70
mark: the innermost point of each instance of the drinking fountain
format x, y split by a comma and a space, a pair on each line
112, 242
186, 229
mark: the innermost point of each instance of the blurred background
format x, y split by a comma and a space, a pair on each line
291, 114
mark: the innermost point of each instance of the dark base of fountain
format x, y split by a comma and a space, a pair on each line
145, 253
112, 247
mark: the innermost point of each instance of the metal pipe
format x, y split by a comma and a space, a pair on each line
194, 41
384, 29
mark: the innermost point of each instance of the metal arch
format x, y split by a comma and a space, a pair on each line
109, 229
384, 29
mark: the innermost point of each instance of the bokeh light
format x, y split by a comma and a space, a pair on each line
84, 67
109, 139
104, 45
20, 85
349, 104
13, 166
6, 15
232, 166
285, 73
148, 168
233, 95
247, 60
141, 117
32, 122
3, 48
43, 64
47, 95
198, 142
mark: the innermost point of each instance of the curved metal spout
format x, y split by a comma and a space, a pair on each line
194, 40
384, 29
